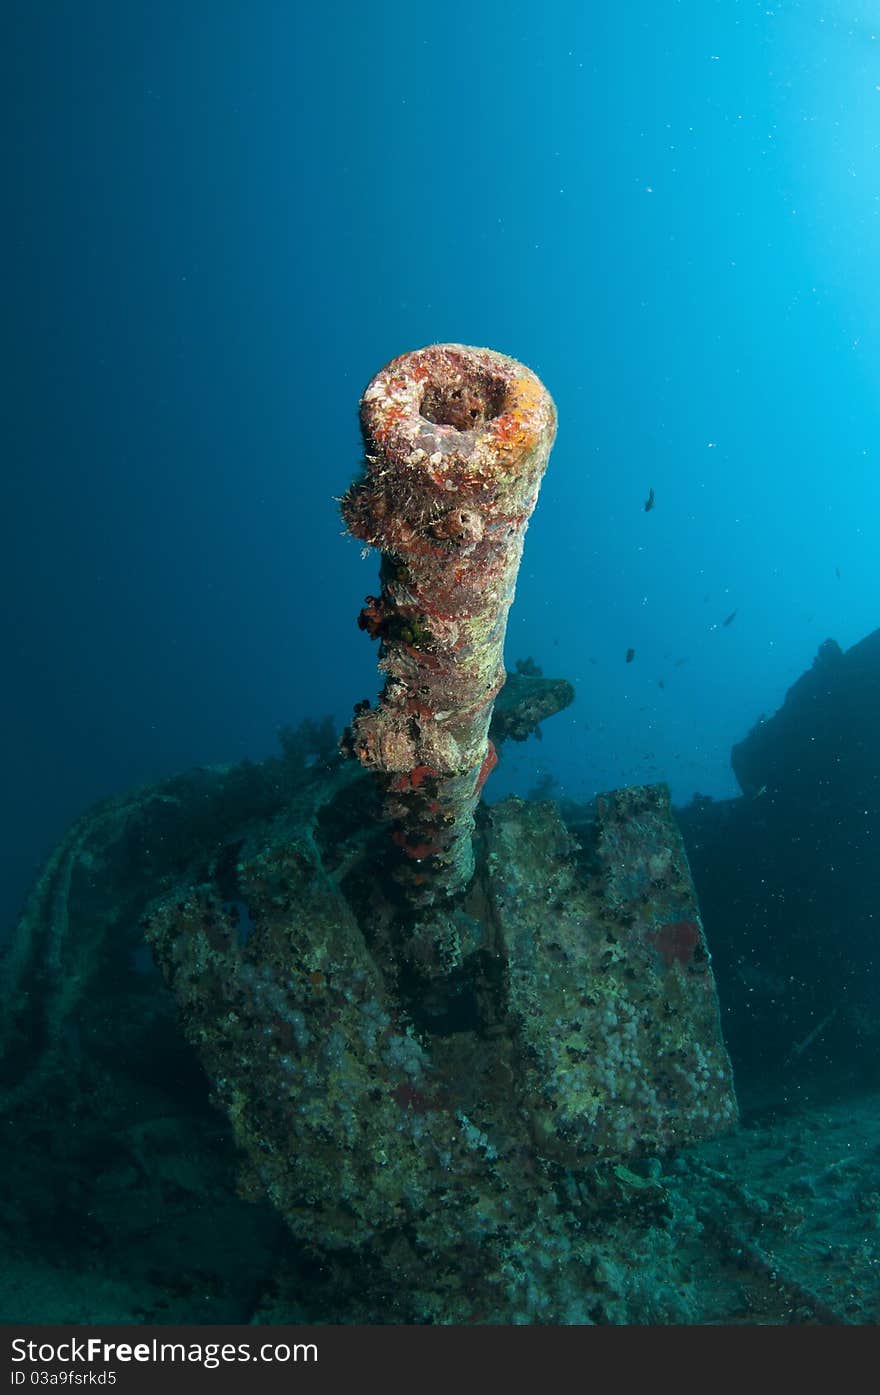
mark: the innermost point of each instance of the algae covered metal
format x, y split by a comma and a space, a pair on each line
611, 995
461, 1092
405, 1074
592, 1042
457, 440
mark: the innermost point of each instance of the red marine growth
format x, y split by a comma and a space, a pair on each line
676, 941
457, 440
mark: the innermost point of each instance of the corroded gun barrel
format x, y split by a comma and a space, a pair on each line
457, 441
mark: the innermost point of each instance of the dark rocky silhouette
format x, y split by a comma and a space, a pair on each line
786, 873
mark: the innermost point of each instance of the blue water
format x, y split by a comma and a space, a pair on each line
223, 219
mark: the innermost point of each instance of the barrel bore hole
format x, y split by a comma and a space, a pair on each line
463, 403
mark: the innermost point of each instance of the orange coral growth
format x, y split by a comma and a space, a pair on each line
418, 776
487, 767
373, 617
508, 428
414, 779
390, 418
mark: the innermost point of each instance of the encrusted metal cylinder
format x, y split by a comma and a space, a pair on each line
457, 441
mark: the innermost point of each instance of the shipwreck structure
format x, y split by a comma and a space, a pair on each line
457, 441
449, 1039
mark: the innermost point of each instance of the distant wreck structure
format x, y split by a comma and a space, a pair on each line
786, 872
445, 1082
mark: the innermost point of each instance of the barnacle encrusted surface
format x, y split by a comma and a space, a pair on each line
587, 1037
457, 440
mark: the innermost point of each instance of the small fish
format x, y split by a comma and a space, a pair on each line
649, 502
630, 655
730, 619
661, 683
837, 572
